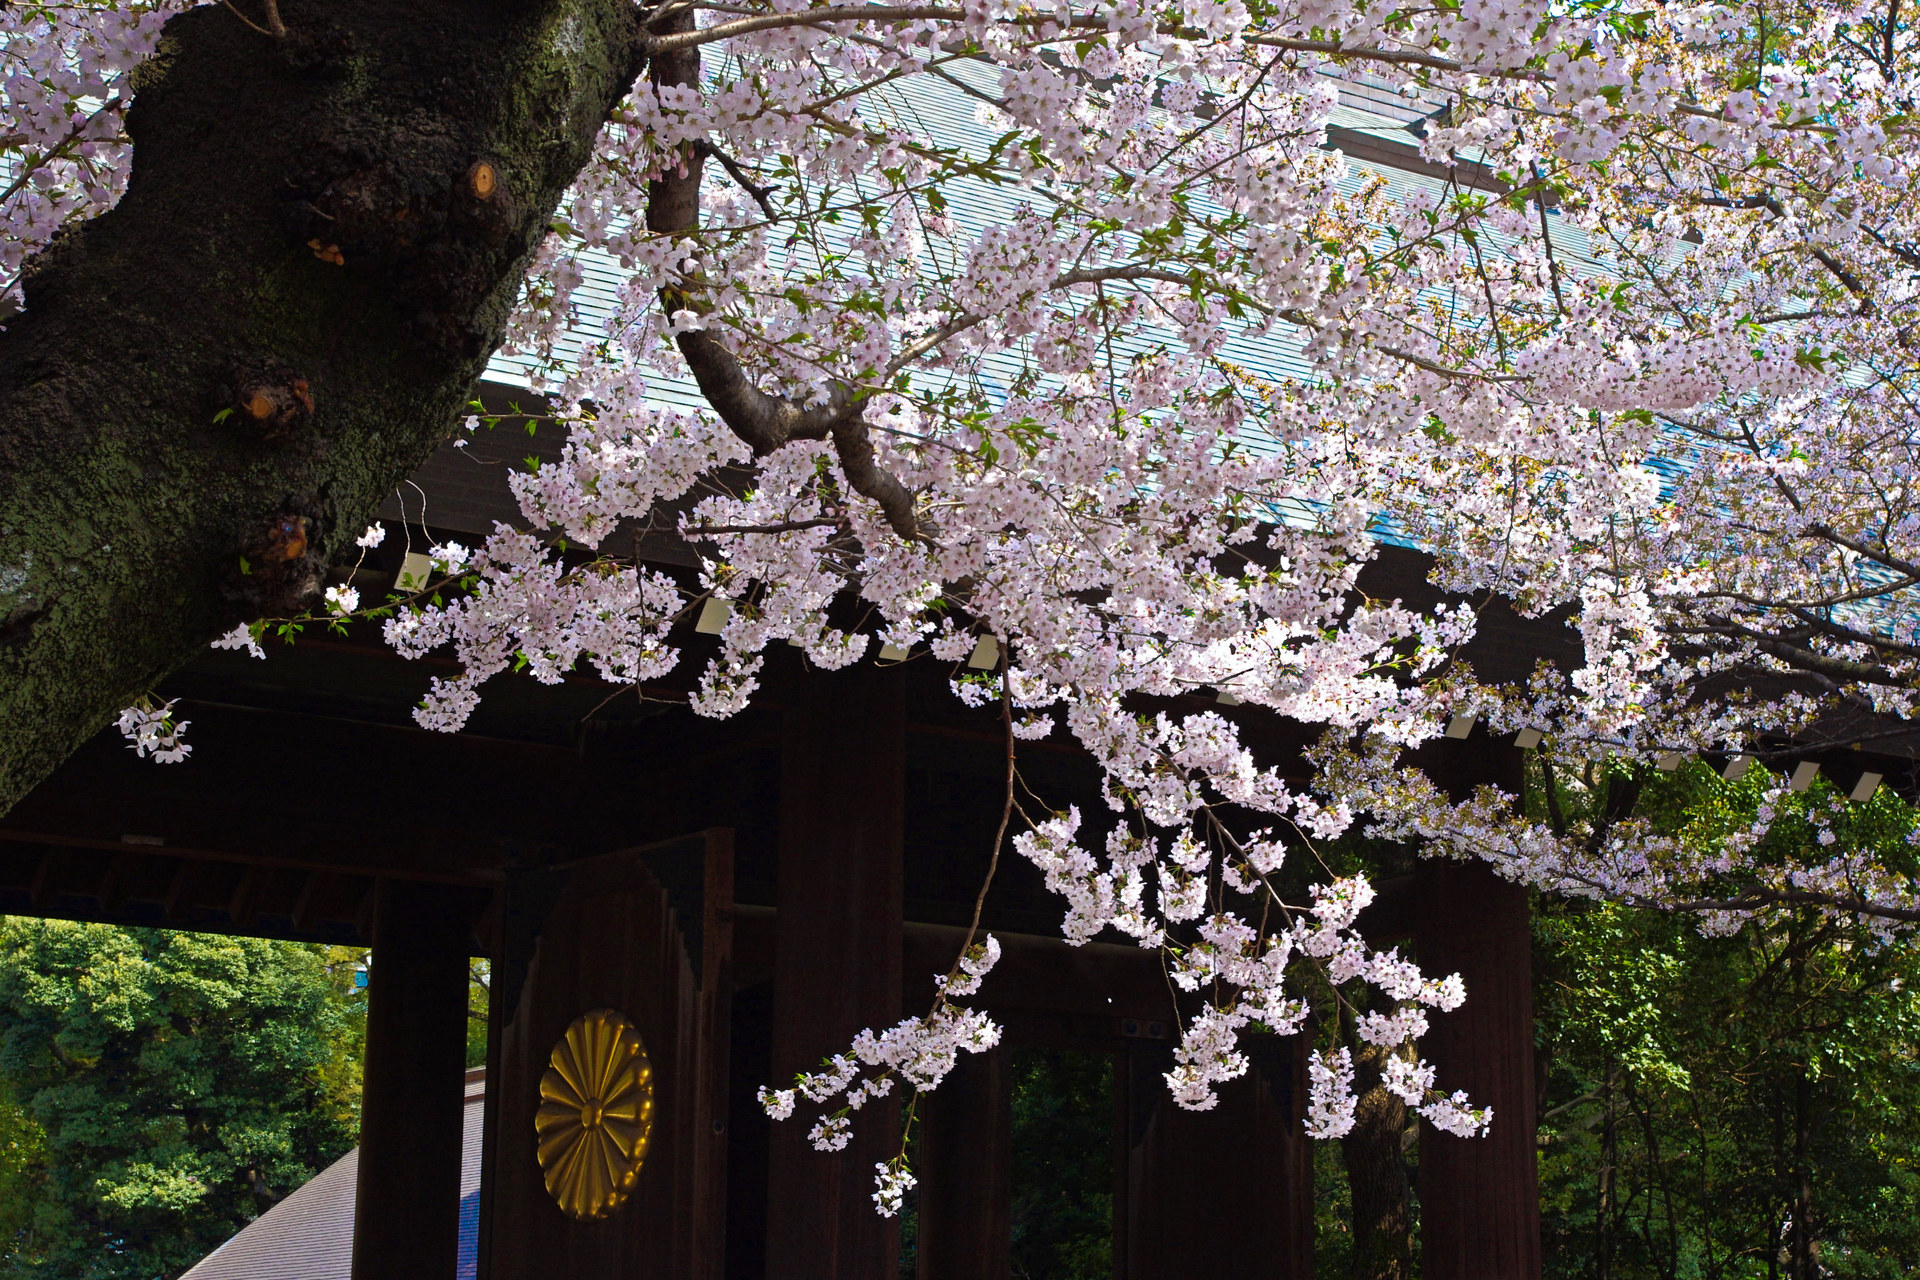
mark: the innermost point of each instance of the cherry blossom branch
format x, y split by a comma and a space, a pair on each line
822, 16
1824, 625
828, 15
765, 422
1880, 555
969, 319
1799, 656
59, 150
784, 526
759, 192
275, 28
1006, 806
1756, 898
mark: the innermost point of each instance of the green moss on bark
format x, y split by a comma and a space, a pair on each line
125, 508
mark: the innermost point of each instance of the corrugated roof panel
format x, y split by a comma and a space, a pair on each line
949, 114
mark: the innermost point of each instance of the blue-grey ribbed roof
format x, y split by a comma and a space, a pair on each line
1369, 110
1373, 123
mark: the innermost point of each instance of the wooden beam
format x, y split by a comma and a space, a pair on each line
112, 889
1225, 1192
238, 801
37, 893
1111, 982
1389, 918
363, 916
245, 898
176, 902
1106, 983
1479, 1197
715, 1053
307, 902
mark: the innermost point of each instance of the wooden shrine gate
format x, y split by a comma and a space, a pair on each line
836, 837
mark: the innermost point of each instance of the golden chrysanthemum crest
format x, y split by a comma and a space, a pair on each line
596, 1114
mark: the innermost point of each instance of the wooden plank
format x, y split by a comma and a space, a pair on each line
837, 958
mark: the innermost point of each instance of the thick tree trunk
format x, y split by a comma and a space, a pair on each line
1377, 1175
214, 385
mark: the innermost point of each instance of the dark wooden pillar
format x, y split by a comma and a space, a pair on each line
406, 1218
836, 960
965, 1198
1225, 1192
1479, 1197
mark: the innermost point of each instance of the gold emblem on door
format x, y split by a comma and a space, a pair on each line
596, 1112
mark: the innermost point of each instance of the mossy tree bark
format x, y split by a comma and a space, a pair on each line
1374, 1154
213, 385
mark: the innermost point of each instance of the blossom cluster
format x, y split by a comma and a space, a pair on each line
917, 1052
152, 731
64, 89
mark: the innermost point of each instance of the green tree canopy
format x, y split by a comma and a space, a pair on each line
1738, 1106
159, 1089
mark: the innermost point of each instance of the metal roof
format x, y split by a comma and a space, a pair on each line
1373, 124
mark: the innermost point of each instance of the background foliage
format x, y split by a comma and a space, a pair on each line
1735, 1106
1705, 1094
158, 1089
1063, 1107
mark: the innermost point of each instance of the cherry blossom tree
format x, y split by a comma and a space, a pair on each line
1644, 359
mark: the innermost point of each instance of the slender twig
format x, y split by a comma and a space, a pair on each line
1006, 809
274, 30
785, 526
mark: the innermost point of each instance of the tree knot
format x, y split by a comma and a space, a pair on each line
276, 402
280, 569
